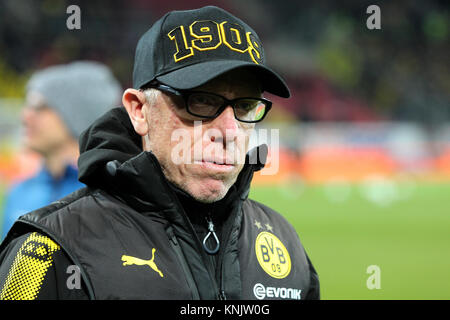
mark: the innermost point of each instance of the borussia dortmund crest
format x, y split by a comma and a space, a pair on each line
272, 255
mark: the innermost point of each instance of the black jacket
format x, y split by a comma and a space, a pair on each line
135, 236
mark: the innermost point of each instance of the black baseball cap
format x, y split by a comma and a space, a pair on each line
185, 49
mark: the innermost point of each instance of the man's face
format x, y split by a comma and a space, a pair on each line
202, 158
44, 131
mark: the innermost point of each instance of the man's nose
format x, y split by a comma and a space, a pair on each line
27, 115
227, 124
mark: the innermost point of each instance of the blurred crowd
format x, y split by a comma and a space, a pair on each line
337, 68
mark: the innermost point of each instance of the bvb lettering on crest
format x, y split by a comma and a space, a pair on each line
272, 255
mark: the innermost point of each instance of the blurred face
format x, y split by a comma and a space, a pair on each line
202, 158
44, 131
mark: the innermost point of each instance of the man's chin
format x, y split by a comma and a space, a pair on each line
30, 147
209, 199
207, 192
209, 196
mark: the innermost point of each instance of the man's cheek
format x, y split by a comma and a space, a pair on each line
180, 146
237, 150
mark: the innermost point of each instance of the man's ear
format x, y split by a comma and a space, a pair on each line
134, 100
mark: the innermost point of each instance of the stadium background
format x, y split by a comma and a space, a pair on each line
364, 161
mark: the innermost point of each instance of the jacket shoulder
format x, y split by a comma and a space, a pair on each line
49, 214
261, 212
57, 206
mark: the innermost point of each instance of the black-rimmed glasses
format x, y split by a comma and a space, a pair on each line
209, 105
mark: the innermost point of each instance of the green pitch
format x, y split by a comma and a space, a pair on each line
403, 228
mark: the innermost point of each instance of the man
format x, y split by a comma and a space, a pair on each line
166, 213
61, 101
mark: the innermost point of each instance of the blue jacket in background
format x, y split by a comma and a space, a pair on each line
37, 192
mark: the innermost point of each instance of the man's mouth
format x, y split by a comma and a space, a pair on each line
215, 164
218, 162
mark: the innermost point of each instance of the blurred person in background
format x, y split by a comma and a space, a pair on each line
61, 101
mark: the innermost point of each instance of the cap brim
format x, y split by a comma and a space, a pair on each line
198, 74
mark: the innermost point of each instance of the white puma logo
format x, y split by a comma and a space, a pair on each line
129, 260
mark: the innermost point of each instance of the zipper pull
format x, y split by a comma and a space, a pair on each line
222, 295
213, 233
